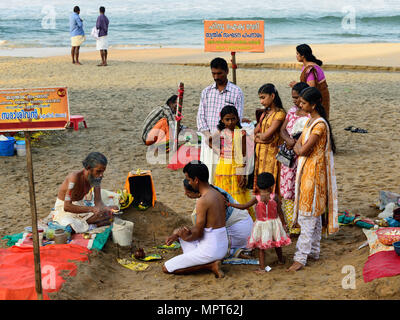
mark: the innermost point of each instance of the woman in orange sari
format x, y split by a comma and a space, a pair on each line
267, 134
313, 74
315, 204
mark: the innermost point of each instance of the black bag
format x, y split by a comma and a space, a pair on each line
285, 156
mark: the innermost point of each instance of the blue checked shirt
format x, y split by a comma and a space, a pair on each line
212, 101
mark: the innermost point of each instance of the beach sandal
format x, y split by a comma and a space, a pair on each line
358, 130
349, 128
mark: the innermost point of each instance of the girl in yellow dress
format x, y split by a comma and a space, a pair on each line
230, 143
267, 135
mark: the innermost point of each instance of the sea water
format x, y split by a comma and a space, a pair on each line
172, 23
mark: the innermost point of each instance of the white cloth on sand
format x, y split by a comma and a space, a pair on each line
211, 247
102, 43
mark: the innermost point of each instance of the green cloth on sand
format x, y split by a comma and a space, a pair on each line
13, 239
101, 239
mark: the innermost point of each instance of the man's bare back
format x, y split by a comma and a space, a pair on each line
212, 204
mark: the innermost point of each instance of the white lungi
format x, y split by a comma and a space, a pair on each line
102, 43
308, 243
239, 232
211, 247
78, 220
238, 227
76, 41
208, 157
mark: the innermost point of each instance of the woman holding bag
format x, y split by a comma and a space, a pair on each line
288, 173
315, 205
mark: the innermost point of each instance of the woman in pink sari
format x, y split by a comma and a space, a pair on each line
288, 175
313, 74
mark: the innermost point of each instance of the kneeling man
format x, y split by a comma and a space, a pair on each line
71, 208
206, 243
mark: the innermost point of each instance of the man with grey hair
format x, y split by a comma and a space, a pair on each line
73, 206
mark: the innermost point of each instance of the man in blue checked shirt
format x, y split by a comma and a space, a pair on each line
213, 98
77, 34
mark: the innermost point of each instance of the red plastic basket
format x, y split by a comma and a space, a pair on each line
386, 238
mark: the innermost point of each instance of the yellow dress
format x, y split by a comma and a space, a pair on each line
265, 159
230, 166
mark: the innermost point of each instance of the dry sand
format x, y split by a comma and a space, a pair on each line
115, 101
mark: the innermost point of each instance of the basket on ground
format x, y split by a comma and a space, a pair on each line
388, 236
396, 246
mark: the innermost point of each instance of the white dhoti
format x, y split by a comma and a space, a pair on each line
76, 41
208, 157
238, 226
211, 247
102, 43
77, 221
308, 243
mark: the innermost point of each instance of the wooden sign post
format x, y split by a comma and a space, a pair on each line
234, 36
33, 110
35, 234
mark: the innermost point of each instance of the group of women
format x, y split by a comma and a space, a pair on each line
308, 186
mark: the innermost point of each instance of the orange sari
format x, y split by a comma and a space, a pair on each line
316, 190
265, 158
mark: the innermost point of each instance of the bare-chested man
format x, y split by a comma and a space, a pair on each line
206, 243
70, 207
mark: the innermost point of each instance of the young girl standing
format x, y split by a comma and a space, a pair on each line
266, 134
288, 175
230, 143
268, 229
316, 191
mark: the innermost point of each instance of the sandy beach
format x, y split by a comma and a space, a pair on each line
116, 99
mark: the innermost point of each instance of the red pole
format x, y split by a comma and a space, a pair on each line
178, 116
234, 66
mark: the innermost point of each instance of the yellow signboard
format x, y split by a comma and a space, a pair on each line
34, 109
234, 35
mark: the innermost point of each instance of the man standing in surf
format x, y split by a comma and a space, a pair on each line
77, 34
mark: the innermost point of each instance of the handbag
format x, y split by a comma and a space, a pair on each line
285, 156
95, 33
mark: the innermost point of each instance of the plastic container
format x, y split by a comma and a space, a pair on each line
122, 231
60, 236
20, 148
396, 246
7, 147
